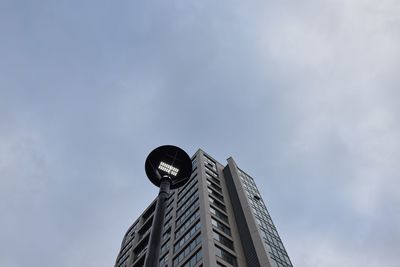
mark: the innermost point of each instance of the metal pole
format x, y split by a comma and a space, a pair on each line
153, 254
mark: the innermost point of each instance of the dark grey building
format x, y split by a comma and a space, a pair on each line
217, 218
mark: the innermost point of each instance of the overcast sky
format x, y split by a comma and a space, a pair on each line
303, 94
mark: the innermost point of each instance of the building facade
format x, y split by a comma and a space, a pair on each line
217, 218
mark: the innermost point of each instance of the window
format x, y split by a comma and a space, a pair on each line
217, 203
126, 248
185, 252
214, 186
123, 261
187, 191
186, 237
194, 259
211, 168
167, 221
169, 209
219, 214
187, 213
167, 234
188, 184
208, 159
132, 229
220, 226
211, 172
223, 240
215, 194
226, 256
164, 260
164, 247
213, 179
189, 200
187, 224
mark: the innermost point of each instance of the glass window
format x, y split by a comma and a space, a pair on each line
167, 234
189, 184
215, 194
187, 192
214, 186
188, 202
194, 259
212, 178
223, 240
220, 226
187, 224
187, 213
185, 252
164, 247
219, 214
211, 172
226, 256
186, 237
164, 260
217, 203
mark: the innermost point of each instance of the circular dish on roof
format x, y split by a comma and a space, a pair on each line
168, 160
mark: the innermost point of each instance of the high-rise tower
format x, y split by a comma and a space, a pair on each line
217, 218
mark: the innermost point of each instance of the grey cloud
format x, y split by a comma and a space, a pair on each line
302, 95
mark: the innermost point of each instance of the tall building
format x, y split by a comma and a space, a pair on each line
218, 218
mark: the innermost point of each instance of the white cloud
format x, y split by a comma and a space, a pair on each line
336, 57
328, 252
